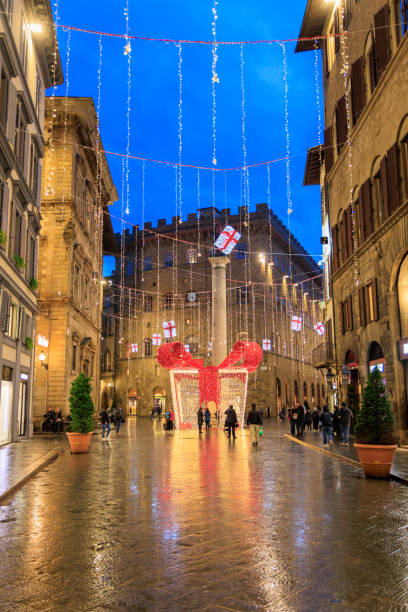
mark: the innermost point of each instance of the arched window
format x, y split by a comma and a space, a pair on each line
191, 256
168, 260
148, 347
192, 343
148, 263
305, 390
241, 251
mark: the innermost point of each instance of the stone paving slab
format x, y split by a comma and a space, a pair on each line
21, 460
399, 467
152, 522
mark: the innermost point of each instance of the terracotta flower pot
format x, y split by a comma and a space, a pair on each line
376, 459
79, 442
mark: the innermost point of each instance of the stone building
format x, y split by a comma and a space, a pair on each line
365, 188
166, 276
29, 63
76, 228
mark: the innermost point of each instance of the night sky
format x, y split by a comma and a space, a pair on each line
155, 96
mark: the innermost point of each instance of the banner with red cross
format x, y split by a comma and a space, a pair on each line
319, 328
296, 323
266, 344
134, 348
156, 339
227, 239
169, 328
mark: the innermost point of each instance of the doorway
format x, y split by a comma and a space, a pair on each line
132, 401
6, 399
159, 400
22, 409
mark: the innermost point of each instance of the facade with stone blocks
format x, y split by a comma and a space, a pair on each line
364, 182
165, 276
76, 228
29, 63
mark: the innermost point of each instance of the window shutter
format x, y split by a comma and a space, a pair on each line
343, 229
335, 259
393, 179
21, 323
5, 209
39, 177
381, 43
4, 309
11, 112
341, 122
350, 312
361, 300
366, 208
343, 317
358, 88
328, 149
384, 186
375, 299
349, 231
23, 245
359, 211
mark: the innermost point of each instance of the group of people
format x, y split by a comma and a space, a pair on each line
54, 421
337, 423
115, 416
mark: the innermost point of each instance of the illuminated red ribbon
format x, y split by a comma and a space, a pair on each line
174, 356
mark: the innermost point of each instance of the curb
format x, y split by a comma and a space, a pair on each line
31, 471
400, 479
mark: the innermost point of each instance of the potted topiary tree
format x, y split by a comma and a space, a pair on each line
82, 408
374, 429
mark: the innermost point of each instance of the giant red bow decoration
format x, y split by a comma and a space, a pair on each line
174, 356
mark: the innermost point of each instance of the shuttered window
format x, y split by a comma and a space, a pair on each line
368, 303
335, 258
393, 179
328, 149
384, 186
4, 309
365, 210
357, 88
343, 228
382, 40
347, 314
349, 231
341, 123
362, 309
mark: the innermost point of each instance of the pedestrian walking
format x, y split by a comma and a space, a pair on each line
308, 416
200, 419
118, 419
231, 421
315, 419
254, 421
169, 420
336, 422
207, 418
105, 423
327, 426
292, 416
345, 421
300, 421
159, 411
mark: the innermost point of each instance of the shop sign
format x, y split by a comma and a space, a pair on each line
23, 376
42, 341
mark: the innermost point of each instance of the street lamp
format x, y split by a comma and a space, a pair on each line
42, 357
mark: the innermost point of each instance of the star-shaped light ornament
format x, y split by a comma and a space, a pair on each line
128, 49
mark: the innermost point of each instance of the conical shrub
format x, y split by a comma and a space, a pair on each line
374, 422
81, 405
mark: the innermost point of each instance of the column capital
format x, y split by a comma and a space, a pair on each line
220, 261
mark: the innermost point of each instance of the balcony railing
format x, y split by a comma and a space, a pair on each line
323, 354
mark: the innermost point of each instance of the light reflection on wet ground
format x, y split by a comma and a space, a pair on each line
151, 522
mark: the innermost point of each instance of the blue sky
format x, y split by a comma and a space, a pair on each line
154, 102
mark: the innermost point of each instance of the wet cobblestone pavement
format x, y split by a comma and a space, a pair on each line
148, 521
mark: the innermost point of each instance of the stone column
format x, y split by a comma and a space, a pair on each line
219, 308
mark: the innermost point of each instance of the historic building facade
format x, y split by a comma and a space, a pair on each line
165, 276
75, 229
364, 182
29, 63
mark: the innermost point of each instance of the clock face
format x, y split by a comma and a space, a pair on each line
191, 297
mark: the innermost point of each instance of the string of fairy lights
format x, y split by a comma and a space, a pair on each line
280, 295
